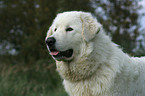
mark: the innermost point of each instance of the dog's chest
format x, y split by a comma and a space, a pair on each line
83, 89
77, 89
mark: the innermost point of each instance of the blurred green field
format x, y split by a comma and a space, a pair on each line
40, 79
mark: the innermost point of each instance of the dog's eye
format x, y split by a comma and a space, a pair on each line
69, 29
55, 29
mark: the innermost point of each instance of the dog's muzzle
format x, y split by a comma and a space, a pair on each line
58, 55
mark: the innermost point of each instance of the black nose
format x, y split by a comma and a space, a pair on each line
50, 41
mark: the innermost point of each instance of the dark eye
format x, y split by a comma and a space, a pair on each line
69, 29
55, 29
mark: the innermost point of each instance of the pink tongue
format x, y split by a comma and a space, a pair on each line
54, 53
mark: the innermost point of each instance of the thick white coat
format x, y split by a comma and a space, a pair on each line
98, 66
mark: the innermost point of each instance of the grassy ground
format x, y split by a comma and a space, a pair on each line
40, 79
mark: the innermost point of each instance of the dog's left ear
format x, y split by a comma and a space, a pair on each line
90, 26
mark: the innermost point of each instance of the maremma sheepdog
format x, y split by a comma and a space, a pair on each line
89, 62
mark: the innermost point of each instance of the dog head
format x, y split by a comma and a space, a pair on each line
68, 32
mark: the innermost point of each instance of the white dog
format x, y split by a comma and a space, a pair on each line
89, 62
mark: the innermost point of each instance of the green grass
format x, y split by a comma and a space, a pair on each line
40, 79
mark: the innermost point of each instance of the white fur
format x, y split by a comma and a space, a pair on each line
98, 67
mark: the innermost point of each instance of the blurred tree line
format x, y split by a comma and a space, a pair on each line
24, 23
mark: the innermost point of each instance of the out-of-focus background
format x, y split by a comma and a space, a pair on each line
27, 69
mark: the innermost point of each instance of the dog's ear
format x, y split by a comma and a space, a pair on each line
90, 26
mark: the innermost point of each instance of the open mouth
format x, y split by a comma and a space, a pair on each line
62, 55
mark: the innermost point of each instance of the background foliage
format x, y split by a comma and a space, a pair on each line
26, 68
